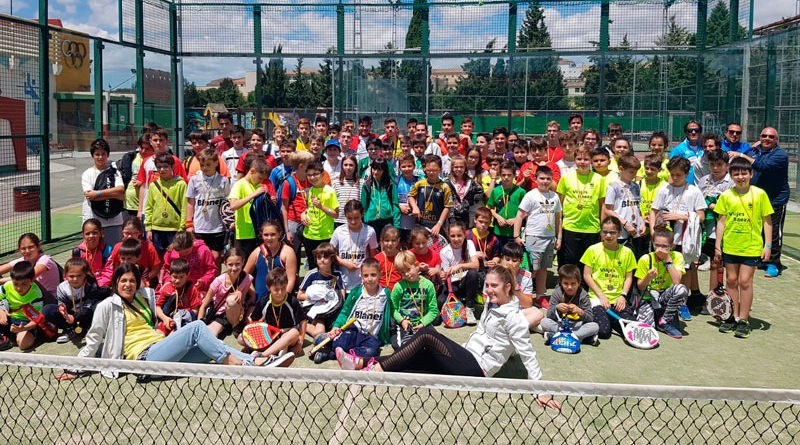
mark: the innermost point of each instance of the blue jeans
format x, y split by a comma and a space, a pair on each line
364, 345
193, 343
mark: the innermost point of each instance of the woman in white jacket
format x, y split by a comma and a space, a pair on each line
502, 331
123, 327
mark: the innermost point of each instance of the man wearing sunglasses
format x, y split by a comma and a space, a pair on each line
690, 148
732, 139
771, 173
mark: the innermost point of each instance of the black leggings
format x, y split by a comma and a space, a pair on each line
465, 289
432, 353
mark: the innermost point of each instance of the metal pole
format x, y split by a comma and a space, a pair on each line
44, 121
139, 110
257, 47
604, 43
525, 104
100, 114
633, 94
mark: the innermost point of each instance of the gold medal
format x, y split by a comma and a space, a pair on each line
580, 206
610, 287
549, 227
164, 214
78, 329
204, 211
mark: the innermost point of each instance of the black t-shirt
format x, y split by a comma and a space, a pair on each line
288, 315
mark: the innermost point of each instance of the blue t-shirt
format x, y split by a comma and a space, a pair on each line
403, 187
690, 152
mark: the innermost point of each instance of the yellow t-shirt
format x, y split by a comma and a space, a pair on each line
648, 193
244, 225
662, 281
581, 196
320, 225
608, 269
139, 334
744, 219
663, 173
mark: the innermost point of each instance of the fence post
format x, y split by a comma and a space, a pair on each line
339, 93
730, 89
770, 90
139, 109
426, 50
177, 79
100, 115
259, 50
604, 43
44, 121
702, 18
512, 50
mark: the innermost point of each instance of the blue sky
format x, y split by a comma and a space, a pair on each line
464, 29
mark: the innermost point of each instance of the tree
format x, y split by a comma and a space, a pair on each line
414, 71
478, 89
387, 68
299, 88
321, 84
274, 81
228, 94
718, 26
545, 81
191, 96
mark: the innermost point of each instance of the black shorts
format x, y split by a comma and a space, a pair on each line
737, 259
214, 241
709, 246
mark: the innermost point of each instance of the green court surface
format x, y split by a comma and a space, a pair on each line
703, 357
66, 221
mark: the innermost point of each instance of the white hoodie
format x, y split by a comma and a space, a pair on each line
501, 332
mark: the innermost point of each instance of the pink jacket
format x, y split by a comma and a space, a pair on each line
202, 268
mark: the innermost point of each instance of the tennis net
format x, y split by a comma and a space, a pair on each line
180, 403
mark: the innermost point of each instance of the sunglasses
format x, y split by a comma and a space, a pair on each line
610, 232
693, 130
769, 136
734, 132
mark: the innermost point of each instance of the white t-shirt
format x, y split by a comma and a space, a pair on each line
685, 199
209, 192
369, 311
231, 157
565, 166
626, 198
541, 209
333, 171
713, 188
452, 257
353, 246
88, 180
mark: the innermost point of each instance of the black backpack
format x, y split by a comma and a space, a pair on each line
106, 208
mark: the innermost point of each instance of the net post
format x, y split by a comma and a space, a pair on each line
44, 121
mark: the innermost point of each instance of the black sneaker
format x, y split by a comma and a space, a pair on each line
728, 326
742, 329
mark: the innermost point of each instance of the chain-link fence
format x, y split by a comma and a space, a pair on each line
178, 403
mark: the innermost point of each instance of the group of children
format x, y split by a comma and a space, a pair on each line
391, 225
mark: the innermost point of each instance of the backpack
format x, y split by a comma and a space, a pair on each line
124, 166
289, 180
262, 210
107, 208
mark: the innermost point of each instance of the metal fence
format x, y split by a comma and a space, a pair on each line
647, 64
177, 402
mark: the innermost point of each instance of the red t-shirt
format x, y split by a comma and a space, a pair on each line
220, 143
190, 295
148, 173
432, 259
530, 183
240, 163
299, 205
389, 274
554, 154
148, 260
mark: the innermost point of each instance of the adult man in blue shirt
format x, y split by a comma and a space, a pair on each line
733, 139
690, 148
771, 173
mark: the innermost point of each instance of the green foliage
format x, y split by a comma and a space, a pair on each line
191, 96
413, 71
718, 26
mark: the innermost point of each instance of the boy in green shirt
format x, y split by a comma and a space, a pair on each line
659, 280
243, 192
323, 206
14, 294
165, 208
504, 203
743, 212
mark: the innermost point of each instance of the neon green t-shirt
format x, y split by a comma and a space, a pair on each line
744, 219
506, 204
648, 193
609, 269
581, 196
663, 173
132, 193
320, 225
662, 281
244, 225
15, 300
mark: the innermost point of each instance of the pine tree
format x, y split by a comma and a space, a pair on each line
275, 81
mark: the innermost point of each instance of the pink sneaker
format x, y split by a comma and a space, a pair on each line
542, 301
370, 366
347, 360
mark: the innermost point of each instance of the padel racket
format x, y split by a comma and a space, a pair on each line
718, 302
259, 336
49, 330
327, 340
638, 334
438, 242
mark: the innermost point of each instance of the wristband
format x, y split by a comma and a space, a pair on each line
189, 224
768, 246
667, 263
99, 193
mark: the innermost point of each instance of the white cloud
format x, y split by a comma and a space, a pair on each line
772, 11
69, 6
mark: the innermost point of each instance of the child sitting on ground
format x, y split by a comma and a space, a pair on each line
322, 291
659, 279
569, 300
369, 305
512, 259
178, 300
15, 294
413, 299
283, 313
77, 297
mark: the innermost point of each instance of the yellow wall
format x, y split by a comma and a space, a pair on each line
74, 53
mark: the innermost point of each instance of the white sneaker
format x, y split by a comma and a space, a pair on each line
274, 360
704, 266
471, 320
63, 338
